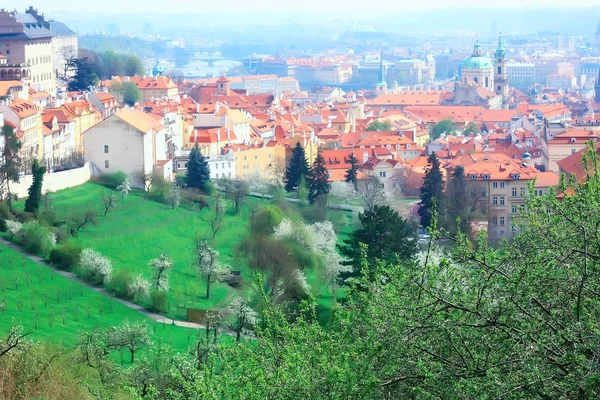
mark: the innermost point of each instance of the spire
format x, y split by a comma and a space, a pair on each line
381, 70
501, 49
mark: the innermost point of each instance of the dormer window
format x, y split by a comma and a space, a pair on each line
473, 176
408, 145
397, 146
573, 140
514, 176
485, 176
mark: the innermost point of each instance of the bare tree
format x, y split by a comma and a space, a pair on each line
278, 173
217, 221
110, 202
239, 190
79, 220
370, 192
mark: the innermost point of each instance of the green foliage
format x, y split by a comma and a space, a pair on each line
380, 126
9, 168
388, 239
432, 192
65, 256
265, 219
112, 64
302, 189
445, 126
159, 300
460, 203
119, 284
198, 174
353, 170
470, 128
130, 93
5, 215
84, 77
32, 204
132, 65
112, 180
318, 177
298, 167
36, 239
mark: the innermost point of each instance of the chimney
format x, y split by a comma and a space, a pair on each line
197, 107
217, 107
329, 122
228, 134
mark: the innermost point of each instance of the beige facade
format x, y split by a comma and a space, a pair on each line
259, 161
27, 118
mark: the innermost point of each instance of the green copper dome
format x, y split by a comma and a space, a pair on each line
477, 62
501, 50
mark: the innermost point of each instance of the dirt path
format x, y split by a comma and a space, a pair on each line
155, 317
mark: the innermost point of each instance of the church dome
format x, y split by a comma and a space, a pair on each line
477, 62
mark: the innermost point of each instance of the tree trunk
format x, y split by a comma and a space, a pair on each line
131, 351
8, 196
237, 335
207, 288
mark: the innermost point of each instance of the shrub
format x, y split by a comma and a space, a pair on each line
192, 197
265, 219
180, 180
159, 301
66, 256
47, 217
119, 285
13, 228
36, 239
112, 180
95, 267
62, 234
23, 216
5, 215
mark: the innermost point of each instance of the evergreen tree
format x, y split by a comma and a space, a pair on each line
9, 169
84, 77
198, 173
298, 167
459, 204
318, 177
32, 204
385, 235
432, 191
351, 172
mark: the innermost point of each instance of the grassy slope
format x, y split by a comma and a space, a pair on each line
139, 230
36, 297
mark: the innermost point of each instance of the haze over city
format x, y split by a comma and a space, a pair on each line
310, 200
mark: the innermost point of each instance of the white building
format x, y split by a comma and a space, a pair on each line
521, 73
222, 166
287, 84
130, 141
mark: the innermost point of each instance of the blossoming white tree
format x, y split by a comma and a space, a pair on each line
131, 336
209, 266
241, 317
139, 287
95, 266
161, 266
343, 191
124, 188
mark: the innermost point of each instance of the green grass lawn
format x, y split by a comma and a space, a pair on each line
139, 229
59, 310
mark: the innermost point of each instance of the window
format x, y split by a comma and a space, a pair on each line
573, 151
501, 200
217, 175
105, 149
539, 192
229, 174
106, 164
514, 228
501, 185
256, 157
522, 192
495, 221
486, 176
228, 165
495, 200
245, 158
382, 174
514, 192
514, 209
483, 193
499, 72
270, 155
495, 185
501, 232
514, 176
473, 176
548, 210
216, 166
501, 221
223, 165
7, 51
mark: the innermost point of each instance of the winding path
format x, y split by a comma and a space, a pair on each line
69, 275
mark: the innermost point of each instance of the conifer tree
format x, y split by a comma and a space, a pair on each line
298, 167
432, 191
318, 177
351, 172
198, 172
459, 202
32, 204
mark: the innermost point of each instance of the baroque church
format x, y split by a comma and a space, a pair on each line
483, 81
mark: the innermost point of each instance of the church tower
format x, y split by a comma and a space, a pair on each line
381, 87
500, 73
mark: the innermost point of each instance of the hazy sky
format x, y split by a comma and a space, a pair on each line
162, 6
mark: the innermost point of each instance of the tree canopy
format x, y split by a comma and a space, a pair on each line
445, 126
318, 178
131, 94
380, 126
352, 170
84, 77
32, 204
432, 191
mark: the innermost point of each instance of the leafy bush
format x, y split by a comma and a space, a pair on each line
47, 217
36, 239
265, 219
62, 234
5, 215
23, 216
159, 301
112, 180
119, 285
13, 228
66, 256
180, 180
192, 197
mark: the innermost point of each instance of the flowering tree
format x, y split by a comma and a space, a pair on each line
139, 287
241, 317
95, 266
210, 267
124, 188
161, 266
131, 336
343, 191
174, 196
13, 227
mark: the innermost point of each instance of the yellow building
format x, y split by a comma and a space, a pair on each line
264, 161
27, 118
84, 115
